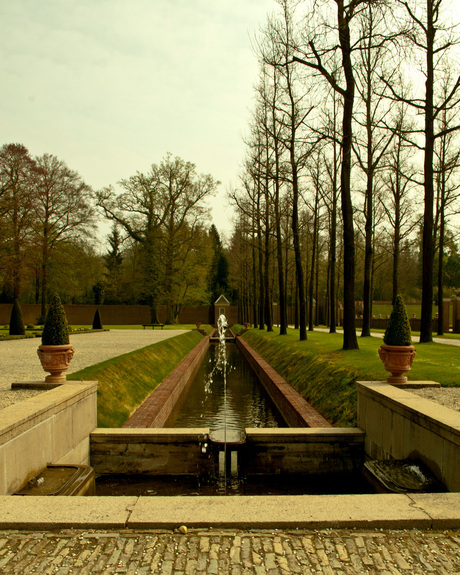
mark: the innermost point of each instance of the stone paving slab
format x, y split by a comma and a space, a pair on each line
49, 512
239, 512
443, 508
230, 552
313, 511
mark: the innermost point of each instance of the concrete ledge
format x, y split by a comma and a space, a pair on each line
18, 512
301, 434
416, 384
444, 421
401, 425
22, 416
427, 511
51, 427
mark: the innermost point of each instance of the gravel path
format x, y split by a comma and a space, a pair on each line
448, 396
93, 348
19, 360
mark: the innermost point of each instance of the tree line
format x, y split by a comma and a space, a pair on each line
161, 248
351, 170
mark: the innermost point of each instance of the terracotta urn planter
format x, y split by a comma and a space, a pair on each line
397, 359
198, 325
56, 352
55, 359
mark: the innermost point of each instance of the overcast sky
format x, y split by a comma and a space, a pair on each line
111, 86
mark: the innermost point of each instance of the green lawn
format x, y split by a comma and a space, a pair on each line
127, 380
325, 374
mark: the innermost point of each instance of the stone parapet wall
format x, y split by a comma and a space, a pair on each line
50, 428
149, 451
400, 425
301, 450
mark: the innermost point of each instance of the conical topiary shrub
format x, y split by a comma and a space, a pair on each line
398, 330
55, 353
397, 351
97, 323
55, 330
16, 320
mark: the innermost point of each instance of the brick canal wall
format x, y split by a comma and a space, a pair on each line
311, 445
156, 409
295, 409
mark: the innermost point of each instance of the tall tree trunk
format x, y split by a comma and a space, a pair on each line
279, 255
261, 278
313, 258
44, 280
254, 284
349, 330
297, 251
333, 251
267, 311
440, 325
427, 238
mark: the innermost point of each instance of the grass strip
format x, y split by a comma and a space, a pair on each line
127, 380
325, 375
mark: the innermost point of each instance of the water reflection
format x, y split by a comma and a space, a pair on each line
247, 403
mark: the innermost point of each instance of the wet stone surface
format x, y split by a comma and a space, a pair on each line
213, 552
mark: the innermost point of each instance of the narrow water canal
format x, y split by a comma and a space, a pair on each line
226, 412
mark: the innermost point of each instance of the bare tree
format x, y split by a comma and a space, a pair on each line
447, 188
64, 210
17, 209
371, 148
318, 57
431, 38
160, 210
398, 182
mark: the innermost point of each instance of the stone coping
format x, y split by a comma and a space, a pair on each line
152, 435
416, 384
302, 434
426, 413
395, 511
22, 416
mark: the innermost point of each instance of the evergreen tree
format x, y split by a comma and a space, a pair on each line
16, 320
113, 262
219, 273
55, 330
97, 323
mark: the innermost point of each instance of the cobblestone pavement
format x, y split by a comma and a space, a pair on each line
215, 552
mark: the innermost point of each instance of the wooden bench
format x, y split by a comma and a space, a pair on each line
153, 325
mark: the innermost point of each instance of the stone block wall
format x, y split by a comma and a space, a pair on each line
399, 425
301, 450
52, 427
149, 451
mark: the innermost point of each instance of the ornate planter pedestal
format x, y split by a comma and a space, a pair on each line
55, 359
397, 359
